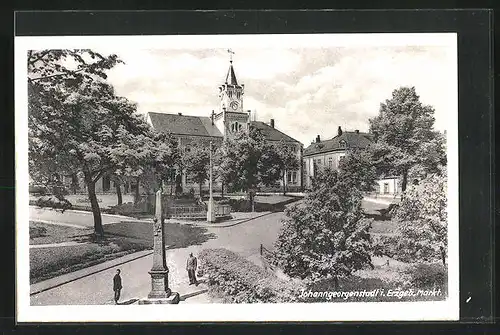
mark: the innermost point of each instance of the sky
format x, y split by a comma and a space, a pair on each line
308, 91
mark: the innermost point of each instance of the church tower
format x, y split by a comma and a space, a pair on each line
231, 117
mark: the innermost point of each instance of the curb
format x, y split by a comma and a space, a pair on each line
88, 271
207, 225
64, 224
87, 212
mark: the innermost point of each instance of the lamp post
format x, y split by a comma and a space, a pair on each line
211, 209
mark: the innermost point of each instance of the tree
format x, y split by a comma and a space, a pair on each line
74, 115
422, 222
246, 163
287, 160
196, 161
357, 169
403, 131
326, 236
146, 158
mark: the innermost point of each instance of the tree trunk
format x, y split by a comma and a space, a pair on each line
284, 185
74, 182
222, 189
252, 203
136, 196
200, 185
443, 255
405, 181
118, 192
96, 211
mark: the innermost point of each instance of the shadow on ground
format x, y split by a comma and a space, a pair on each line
177, 235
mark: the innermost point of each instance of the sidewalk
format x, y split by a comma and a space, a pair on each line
94, 285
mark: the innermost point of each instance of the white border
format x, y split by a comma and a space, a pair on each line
375, 311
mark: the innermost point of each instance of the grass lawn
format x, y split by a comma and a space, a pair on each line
121, 239
41, 233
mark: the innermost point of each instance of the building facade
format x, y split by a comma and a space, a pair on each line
329, 153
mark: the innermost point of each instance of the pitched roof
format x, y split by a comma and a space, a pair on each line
270, 133
352, 140
231, 77
184, 124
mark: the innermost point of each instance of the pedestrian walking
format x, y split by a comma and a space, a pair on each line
192, 264
117, 285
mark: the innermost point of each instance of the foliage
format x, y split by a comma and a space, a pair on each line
242, 281
404, 136
421, 217
286, 160
247, 161
357, 169
326, 235
196, 161
75, 118
53, 202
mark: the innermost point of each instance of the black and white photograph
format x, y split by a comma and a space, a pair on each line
306, 177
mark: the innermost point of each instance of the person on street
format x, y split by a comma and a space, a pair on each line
191, 266
117, 285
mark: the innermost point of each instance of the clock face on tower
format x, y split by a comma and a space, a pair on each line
234, 105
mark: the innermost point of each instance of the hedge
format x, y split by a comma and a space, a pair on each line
53, 202
241, 281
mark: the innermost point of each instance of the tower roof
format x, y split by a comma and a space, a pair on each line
231, 77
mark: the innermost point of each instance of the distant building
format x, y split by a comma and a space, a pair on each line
329, 153
229, 119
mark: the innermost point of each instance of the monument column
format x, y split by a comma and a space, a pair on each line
160, 292
211, 209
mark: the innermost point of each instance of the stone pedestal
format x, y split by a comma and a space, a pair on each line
210, 207
160, 292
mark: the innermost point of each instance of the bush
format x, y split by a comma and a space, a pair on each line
54, 202
427, 276
244, 205
241, 281
128, 209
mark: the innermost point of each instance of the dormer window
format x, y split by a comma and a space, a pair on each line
343, 144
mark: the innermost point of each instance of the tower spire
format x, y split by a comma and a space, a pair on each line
231, 77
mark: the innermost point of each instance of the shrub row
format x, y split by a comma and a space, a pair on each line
53, 202
241, 281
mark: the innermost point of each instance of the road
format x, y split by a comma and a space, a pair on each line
244, 238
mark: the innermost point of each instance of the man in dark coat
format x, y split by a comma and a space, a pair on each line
191, 266
117, 285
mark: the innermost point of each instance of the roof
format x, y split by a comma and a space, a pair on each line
231, 77
352, 139
184, 124
270, 133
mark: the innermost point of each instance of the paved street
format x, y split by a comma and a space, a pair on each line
97, 288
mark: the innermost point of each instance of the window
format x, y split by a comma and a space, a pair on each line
235, 126
330, 162
341, 158
386, 188
292, 177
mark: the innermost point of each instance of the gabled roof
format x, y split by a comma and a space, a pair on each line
270, 133
351, 139
184, 124
231, 77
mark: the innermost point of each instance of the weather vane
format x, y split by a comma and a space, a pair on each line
231, 53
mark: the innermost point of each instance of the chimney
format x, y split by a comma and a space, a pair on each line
318, 139
212, 117
179, 113
272, 123
357, 131
339, 131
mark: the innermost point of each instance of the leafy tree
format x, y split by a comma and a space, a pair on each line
74, 116
403, 131
196, 162
326, 236
287, 160
145, 158
422, 221
357, 169
248, 161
